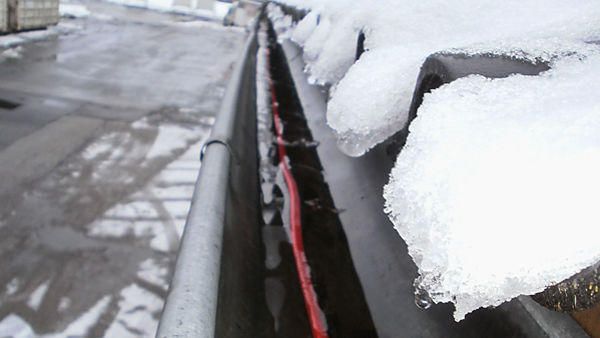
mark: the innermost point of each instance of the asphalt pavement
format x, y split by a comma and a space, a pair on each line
100, 131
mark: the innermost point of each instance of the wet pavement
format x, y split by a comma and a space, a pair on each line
100, 131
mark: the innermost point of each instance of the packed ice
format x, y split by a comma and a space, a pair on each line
494, 190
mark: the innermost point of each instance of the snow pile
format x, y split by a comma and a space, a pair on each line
493, 192
495, 202
17, 39
15, 326
69, 10
178, 7
371, 101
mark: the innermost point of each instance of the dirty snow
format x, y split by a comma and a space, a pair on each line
14, 326
12, 53
170, 137
17, 39
12, 287
158, 212
64, 304
37, 296
70, 10
488, 164
154, 273
138, 313
172, 6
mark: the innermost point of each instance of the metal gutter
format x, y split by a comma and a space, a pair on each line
192, 306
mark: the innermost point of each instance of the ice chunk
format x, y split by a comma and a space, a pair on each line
495, 189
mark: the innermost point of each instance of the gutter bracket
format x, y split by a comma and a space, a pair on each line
218, 140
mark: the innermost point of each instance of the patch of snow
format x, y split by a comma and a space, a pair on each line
132, 210
156, 230
12, 287
12, 53
37, 296
179, 177
171, 138
177, 209
14, 326
138, 313
98, 148
141, 124
110, 228
7, 41
16, 39
81, 326
221, 9
115, 228
64, 304
154, 273
169, 6
173, 192
69, 10
180, 226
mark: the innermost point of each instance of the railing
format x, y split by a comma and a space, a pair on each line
218, 255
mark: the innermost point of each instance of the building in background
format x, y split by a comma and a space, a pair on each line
19, 15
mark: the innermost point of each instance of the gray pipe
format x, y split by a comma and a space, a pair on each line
191, 306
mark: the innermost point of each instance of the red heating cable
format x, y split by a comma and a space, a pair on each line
310, 297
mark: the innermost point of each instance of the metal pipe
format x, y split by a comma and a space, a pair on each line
192, 303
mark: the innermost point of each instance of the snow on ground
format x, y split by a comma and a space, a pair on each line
10, 42
494, 171
138, 313
37, 296
154, 273
14, 326
70, 10
170, 137
157, 212
12, 287
172, 6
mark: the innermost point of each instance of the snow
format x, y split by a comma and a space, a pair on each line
169, 138
86, 321
12, 53
158, 212
493, 192
18, 39
12, 287
14, 326
370, 102
154, 273
37, 296
132, 210
69, 10
64, 304
482, 193
153, 230
172, 6
138, 312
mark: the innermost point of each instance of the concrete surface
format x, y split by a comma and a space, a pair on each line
98, 157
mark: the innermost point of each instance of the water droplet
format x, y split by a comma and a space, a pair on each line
422, 299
